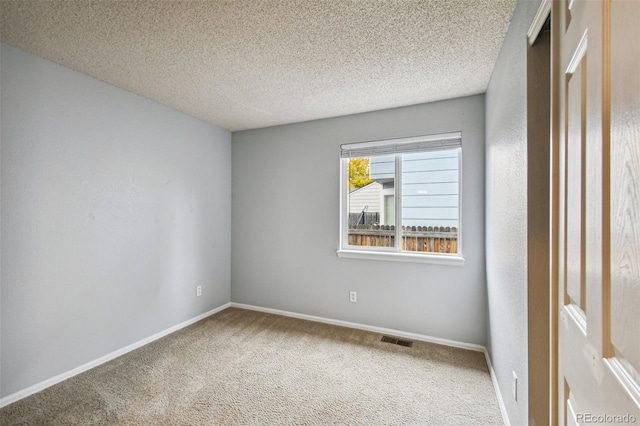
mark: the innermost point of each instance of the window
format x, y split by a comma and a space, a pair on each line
401, 199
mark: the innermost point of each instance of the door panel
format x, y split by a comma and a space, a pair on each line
576, 103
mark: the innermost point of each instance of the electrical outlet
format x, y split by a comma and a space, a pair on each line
199, 291
514, 386
353, 297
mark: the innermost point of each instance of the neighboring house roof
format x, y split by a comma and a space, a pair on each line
354, 190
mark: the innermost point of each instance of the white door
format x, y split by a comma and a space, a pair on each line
598, 211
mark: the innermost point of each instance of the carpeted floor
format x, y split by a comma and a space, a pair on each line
242, 367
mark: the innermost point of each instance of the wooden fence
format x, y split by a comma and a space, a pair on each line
431, 239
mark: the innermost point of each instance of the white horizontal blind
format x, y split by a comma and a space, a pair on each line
410, 144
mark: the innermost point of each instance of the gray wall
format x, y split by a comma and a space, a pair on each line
506, 214
285, 226
113, 209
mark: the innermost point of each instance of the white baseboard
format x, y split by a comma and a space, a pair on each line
494, 379
374, 329
67, 375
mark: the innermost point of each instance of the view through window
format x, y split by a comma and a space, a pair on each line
403, 195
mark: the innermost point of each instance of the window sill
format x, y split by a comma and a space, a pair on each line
402, 257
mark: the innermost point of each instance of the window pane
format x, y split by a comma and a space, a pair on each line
371, 201
430, 201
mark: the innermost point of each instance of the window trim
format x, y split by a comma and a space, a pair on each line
400, 146
438, 259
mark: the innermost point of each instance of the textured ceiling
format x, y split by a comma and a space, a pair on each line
244, 64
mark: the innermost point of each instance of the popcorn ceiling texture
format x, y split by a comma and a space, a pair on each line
245, 64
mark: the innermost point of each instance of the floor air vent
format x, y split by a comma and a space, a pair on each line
395, 341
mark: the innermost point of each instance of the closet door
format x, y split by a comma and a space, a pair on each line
598, 233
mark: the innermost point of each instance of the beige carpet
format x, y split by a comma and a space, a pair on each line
241, 367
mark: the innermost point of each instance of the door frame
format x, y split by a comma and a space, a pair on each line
548, 10
539, 157
554, 212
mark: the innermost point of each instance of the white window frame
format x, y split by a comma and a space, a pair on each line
397, 146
